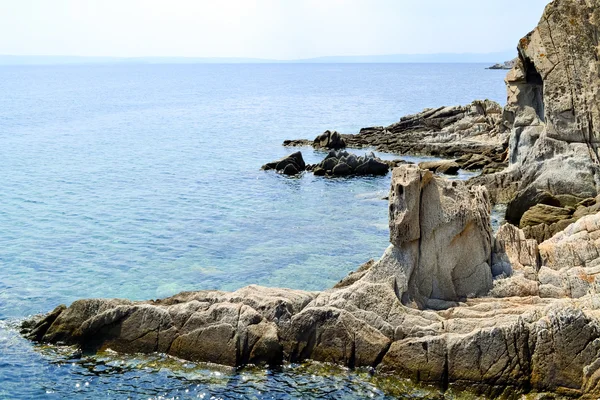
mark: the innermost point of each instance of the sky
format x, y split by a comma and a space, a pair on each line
273, 29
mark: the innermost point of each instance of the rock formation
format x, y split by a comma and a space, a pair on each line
342, 163
329, 140
374, 317
566, 265
288, 165
420, 311
553, 107
505, 65
474, 129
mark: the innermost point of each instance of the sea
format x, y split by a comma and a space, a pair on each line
140, 181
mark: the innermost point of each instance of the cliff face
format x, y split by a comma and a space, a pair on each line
553, 101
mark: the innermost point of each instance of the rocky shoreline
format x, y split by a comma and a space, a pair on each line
449, 302
475, 134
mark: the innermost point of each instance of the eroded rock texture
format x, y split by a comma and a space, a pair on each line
553, 104
382, 315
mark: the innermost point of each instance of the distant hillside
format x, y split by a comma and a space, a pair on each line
393, 58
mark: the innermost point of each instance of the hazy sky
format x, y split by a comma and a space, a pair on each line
281, 29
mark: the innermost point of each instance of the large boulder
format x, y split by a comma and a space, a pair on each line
329, 140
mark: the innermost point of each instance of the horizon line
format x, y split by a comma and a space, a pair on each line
498, 56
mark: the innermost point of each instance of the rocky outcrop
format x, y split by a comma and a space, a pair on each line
541, 215
431, 217
565, 265
553, 106
505, 65
342, 163
383, 315
288, 165
329, 140
474, 129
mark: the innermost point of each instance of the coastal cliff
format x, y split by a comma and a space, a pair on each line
448, 302
553, 107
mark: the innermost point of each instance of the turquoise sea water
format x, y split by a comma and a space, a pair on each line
140, 181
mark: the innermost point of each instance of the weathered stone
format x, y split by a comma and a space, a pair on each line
526, 199
477, 128
553, 94
441, 167
430, 216
544, 214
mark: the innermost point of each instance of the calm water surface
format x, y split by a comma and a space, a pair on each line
140, 181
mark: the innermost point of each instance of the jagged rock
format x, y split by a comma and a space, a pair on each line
441, 167
576, 251
288, 165
430, 216
342, 163
517, 257
476, 128
566, 265
553, 103
329, 140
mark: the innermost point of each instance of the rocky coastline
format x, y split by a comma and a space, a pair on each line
449, 302
505, 65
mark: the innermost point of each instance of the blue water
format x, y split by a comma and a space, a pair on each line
140, 181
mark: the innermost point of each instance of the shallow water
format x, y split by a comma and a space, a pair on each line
141, 181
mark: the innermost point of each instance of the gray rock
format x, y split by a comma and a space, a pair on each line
289, 165
552, 101
329, 140
341, 169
